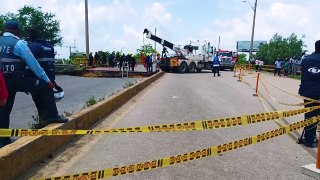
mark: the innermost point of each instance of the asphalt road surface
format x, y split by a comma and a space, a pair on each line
77, 91
182, 98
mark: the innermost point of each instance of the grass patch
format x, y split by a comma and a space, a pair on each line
128, 84
295, 77
91, 101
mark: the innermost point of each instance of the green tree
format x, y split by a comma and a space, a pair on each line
242, 59
147, 48
280, 47
29, 16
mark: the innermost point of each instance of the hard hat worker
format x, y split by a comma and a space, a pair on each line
310, 87
43, 51
15, 55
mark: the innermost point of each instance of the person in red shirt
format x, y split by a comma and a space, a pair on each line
3, 91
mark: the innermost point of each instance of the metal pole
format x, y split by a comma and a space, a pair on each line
155, 44
253, 25
219, 44
318, 155
87, 29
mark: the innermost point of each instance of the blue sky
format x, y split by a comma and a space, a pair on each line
118, 24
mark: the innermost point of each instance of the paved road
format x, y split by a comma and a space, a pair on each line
187, 97
77, 91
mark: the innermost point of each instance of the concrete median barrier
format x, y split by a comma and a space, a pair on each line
19, 156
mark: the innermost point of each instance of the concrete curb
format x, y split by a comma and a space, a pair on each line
19, 156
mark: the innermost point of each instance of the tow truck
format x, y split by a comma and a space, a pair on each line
185, 59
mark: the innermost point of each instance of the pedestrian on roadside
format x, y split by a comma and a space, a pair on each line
90, 59
148, 62
291, 61
43, 51
277, 67
97, 58
257, 64
286, 68
121, 59
310, 87
151, 60
104, 59
16, 54
3, 91
133, 62
111, 59
216, 65
261, 63
158, 60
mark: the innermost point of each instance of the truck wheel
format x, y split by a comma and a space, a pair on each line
183, 67
199, 70
192, 67
232, 68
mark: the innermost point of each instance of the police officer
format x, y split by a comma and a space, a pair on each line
310, 87
14, 56
43, 51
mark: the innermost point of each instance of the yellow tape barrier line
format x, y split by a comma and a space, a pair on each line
260, 96
290, 93
274, 99
190, 156
188, 126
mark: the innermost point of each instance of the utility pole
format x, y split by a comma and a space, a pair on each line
219, 44
155, 44
74, 47
87, 29
253, 25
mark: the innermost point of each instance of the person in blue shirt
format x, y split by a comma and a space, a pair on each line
15, 55
277, 67
43, 51
310, 87
216, 65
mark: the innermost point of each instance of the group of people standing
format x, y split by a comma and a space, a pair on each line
259, 64
114, 59
289, 67
28, 69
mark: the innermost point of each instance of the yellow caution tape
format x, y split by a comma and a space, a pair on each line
187, 126
290, 93
274, 99
190, 156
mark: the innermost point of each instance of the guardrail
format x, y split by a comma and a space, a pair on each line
64, 67
267, 68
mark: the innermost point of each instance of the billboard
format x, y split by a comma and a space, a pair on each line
244, 46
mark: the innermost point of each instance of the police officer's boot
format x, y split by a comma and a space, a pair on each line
5, 141
57, 119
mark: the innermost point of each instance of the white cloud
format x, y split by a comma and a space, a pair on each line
156, 14
279, 18
119, 23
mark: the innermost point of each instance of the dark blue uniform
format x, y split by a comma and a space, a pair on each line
44, 53
310, 87
14, 71
216, 66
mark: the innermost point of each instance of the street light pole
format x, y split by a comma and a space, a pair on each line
155, 45
253, 25
254, 8
87, 29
